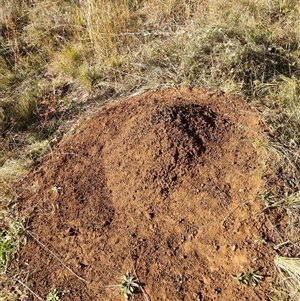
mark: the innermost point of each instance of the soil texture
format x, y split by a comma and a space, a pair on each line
163, 185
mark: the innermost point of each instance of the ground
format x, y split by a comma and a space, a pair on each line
164, 185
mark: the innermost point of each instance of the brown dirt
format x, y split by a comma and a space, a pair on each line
163, 184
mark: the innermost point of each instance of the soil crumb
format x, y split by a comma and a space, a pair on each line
163, 185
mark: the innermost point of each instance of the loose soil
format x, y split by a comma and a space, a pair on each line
163, 185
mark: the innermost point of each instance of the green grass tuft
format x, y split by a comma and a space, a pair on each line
10, 241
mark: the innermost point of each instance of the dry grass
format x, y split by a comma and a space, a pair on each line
51, 52
289, 278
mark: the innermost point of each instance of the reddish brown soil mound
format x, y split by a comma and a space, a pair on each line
163, 184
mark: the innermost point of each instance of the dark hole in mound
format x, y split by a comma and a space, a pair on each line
190, 123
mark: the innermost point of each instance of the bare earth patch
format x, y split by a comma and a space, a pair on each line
163, 184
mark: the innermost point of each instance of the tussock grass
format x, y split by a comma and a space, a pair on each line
289, 278
9, 173
52, 52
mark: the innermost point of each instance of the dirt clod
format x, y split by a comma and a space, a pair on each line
163, 184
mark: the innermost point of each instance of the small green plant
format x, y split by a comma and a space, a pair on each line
9, 243
240, 278
128, 285
55, 295
251, 278
6, 251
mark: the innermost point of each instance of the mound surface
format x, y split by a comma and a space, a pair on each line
163, 184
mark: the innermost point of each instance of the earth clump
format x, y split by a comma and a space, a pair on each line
163, 184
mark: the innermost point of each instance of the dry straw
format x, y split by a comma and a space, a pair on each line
288, 271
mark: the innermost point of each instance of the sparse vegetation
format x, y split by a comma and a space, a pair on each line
252, 277
10, 240
55, 295
12, 237
56, 55
128, 285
